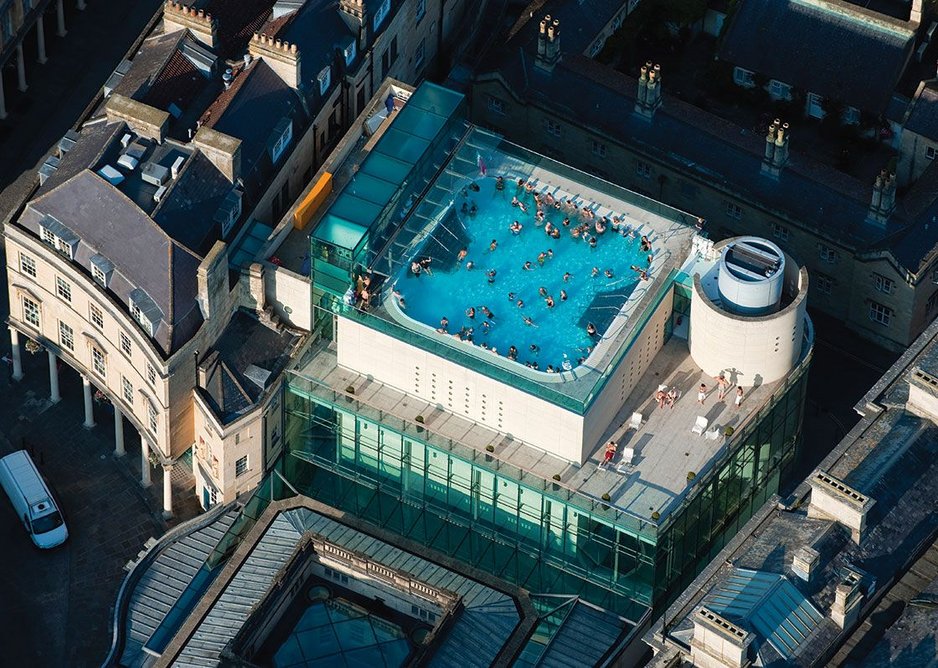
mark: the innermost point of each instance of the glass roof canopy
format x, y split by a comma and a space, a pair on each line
387, 167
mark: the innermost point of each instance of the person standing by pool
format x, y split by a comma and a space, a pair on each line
672, 397
739, 397
701, 394
609, 452
444, 325
722, 386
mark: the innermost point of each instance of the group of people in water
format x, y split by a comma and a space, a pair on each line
580, 222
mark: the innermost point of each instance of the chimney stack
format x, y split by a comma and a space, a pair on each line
649, 90
804, 562
548, 44
177, 16
718, 642
776, 149
542, 38
832, 499
847, 600
915, 14
282, 57
883, 199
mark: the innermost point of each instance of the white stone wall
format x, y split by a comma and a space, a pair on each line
218, 448
474, 395
76, 314
630, 370
750, 349
289, 294
922, 401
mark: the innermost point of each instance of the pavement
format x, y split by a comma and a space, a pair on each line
59, 91
55, 606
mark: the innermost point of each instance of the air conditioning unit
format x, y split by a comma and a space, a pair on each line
158, 195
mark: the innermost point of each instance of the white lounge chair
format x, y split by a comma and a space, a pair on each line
662, 388
636, 421
712, 434
625, 461
700, 426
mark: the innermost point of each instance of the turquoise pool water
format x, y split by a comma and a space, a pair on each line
559, 333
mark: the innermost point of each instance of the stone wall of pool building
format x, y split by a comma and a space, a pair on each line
750, 349
496, 404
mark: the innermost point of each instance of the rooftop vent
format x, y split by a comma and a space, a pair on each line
177, 165
158, 195
111, 175
128, 162
227, 77
126, 139
155, 174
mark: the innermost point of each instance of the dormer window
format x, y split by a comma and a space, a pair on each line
280, 139
101, 269
325, 79
144, 310
55, 234
381, 14
350, 52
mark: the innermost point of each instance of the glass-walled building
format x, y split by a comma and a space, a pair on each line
510, 360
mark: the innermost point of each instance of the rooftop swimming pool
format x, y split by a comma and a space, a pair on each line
523, 293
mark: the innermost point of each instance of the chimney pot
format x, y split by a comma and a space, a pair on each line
543, 27
293, 48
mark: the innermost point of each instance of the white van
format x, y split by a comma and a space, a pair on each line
32, 500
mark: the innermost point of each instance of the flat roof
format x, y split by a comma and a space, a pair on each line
665, 448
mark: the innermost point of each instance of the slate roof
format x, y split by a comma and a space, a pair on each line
237, 21
256, 93
832, 204
244, 347
164, 581
110, 224
187, 213
923, 115
149, 59
837, 50
579, 24
178, 82
480, 629
890, 456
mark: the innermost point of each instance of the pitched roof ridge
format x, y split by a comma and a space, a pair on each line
235, 380
217, 108
155, 73
527, 15
863, 16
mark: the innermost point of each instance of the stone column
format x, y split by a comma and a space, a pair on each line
89, 405
21, 68
14, 335
54, 377
118, 432
41, 39
167, 491
144, 461
60, 16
